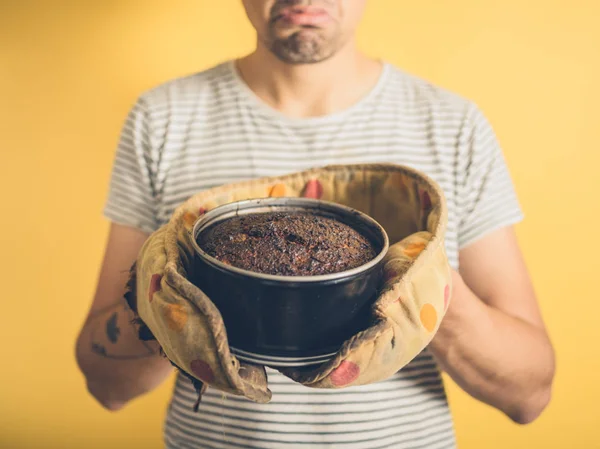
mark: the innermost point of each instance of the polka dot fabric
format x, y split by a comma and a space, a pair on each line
413, 300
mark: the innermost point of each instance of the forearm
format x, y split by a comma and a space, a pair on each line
116, 364
498, 359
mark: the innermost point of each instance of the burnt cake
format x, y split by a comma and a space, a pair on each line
287, 244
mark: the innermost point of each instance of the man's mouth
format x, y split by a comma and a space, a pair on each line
309, 16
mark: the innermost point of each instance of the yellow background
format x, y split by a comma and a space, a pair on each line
70, 70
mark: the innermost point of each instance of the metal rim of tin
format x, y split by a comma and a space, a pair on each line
343, 213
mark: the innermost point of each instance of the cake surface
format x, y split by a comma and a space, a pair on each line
287, 244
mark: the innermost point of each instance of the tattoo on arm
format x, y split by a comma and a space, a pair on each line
110, 325
112, 330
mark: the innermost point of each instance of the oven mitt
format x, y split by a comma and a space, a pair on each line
405, 316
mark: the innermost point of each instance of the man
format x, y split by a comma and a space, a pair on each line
307, 97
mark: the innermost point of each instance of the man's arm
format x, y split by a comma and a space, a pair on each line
493, 342
116, 364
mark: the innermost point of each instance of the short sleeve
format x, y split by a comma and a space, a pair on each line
487, 197
131, 198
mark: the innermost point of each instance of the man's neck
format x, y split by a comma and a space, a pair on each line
310, 90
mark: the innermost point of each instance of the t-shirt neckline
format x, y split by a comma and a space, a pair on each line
271, 112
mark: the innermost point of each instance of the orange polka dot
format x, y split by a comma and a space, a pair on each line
413, 249
277, 190
189, 219
175, 316
428, 317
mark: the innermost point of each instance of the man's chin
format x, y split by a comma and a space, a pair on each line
298, 58
302, 46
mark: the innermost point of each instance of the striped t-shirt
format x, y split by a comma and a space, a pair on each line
209, 129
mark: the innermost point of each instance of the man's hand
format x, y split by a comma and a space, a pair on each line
492, 341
